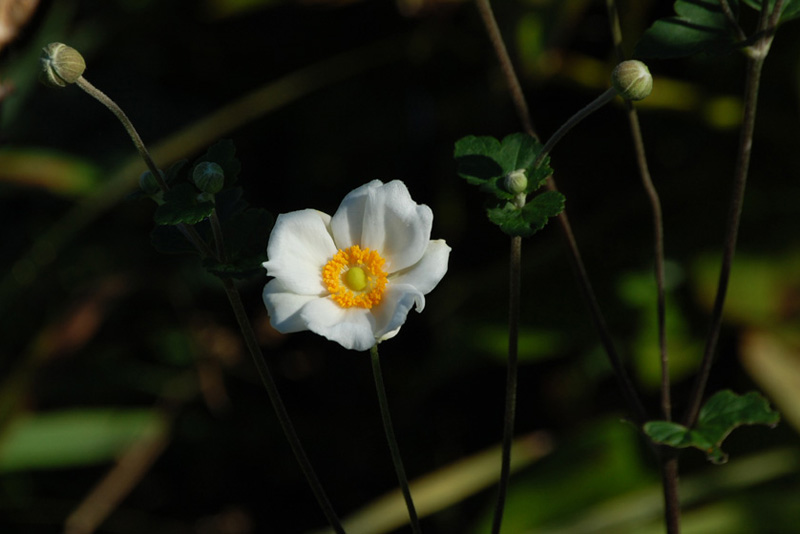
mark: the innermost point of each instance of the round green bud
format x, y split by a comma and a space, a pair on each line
148, 183
62, 64
632, 80
516, 182
208, 177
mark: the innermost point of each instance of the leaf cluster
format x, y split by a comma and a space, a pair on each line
245, 229
701, 26
486, 162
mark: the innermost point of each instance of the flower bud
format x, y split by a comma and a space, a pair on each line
62, 64
208, 177
632, 80
148, 183
516, 182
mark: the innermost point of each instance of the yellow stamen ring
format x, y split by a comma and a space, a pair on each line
355, 277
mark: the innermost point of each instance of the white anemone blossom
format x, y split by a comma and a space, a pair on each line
353, 277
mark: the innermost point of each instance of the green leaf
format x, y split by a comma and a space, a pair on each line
485, 162
182, 205
541, 208
223, 153
700, 26
791, 8
721, 414
74, 437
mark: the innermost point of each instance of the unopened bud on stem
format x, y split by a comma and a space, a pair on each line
62, 64
632, 80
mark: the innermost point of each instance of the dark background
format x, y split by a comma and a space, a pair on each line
94, 318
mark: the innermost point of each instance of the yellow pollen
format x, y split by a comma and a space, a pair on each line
355, 277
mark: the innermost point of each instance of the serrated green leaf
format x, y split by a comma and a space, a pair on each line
223, 153
485, 161
539, 210
74, 437
721, 414
700, 26
181, 205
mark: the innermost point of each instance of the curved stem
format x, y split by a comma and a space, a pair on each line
590, 108
394, 449
101, 97
514, 283
277, 403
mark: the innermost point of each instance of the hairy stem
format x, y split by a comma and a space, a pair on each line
277, 403
394, 449
514, 287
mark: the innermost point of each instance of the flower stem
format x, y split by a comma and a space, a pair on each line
390, 437
189, 232
101, 97
514, 286
754, 66
668, 457
590, 108
277, 403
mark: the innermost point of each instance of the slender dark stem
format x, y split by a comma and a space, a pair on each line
755, 62
669, 483
514, 87
277, 403
394, 449
668, 457
514, 287
658, 220
637, 411
726, 10
629, 392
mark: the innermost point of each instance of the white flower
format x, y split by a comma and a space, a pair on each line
353, 277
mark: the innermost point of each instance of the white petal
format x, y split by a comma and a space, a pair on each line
391, 314
396, 226
427, 272
384, 218
352, 328
299, 247
347, 224
284, 307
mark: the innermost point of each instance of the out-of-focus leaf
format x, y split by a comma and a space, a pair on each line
182, 205
721, 414
57, 173
74, 437
773, 360
791, 8
700, 26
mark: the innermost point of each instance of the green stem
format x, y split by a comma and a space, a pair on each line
394, 449
189, 232
514, 287
755, 63
590, 108
101, 97
277, 403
